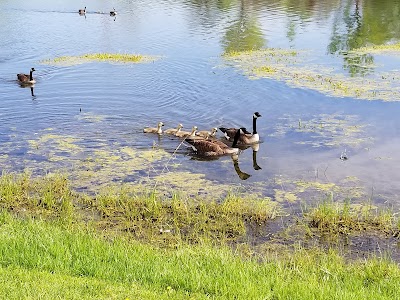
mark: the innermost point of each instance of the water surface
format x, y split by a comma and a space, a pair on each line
87, 119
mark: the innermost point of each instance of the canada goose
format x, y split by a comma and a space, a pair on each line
206, 133
245, 137
187, 133
82, 11
113, 13
174, 130
214, 147
343, 156
154, 130
26, 79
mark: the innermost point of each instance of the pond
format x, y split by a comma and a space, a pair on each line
312, 69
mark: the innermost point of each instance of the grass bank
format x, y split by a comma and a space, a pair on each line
120, 244
38, 257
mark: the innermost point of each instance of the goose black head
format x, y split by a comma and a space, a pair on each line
33, 70
256, 115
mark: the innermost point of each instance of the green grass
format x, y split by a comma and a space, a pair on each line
38, 258
171, 221
20, 283
149, 217
56, 243
49, 196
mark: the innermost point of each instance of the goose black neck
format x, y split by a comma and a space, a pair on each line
254, 125
30, 75
236, 138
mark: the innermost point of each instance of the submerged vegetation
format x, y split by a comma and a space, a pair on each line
297, 69
326, 130
122, 245
100, 57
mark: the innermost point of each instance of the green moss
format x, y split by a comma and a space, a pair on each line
325, 187
288, 189
265, 70
283, 196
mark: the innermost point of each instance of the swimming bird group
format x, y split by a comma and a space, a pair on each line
205, 143
25, 79
113, 13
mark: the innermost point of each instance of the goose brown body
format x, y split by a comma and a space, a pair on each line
214, 147
246, 137
26, 79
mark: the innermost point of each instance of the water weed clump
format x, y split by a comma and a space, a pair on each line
298, 69
100, 57
379, 49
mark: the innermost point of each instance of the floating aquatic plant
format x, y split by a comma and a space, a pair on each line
379, 49
297, 69
100, 57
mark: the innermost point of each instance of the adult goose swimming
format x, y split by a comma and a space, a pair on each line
245, 137
215, 147
26, 79
113, 13
157, 130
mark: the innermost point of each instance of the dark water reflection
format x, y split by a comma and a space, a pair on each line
102, 106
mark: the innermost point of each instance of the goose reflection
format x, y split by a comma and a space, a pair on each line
255, 148
23, 86
242, 175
